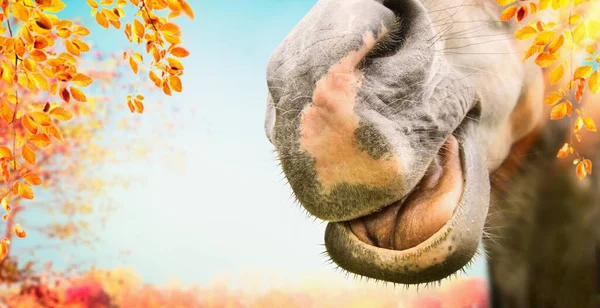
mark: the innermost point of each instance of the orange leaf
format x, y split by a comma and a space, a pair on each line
179, 52
559, 111
134, 65
557, 74
60, 113
40, 140
553, 98
545, 59
580, 170
18, 229
525, 33
556, 44
138, 28
25, 191
583, 72
589, 124
65, 94
28, 154
175, 83
32, 179
508, 13
588, 166
578, 125
564, 151
78, 95
5, 152
101, 19
82, 80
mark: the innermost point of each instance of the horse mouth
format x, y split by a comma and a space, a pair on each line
416, 217
428, 234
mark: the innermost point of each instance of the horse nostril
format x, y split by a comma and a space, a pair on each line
407, 12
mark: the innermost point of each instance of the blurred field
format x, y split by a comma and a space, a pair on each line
121, 287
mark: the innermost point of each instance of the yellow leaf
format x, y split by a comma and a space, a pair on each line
556, 44
78, 95
60, 113
505, 2
5, 152
594, 82
589, 124
5, 204
544, 38
559, 111
32, 179
508, 13
133, 64
18, 229
138, 28
578, 125
564, 151
72, 48
28, 154
40, 140
20, 11
553, 98
25, 191
545, 59
588, 166
187, 10
29, 124
82, 80
41, 118
57, 6
557, 74
175, 64
175, 83
579, 33
525, 33
582, 72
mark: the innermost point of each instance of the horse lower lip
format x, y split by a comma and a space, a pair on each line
409, 222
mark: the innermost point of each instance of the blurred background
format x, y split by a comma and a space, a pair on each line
188, 196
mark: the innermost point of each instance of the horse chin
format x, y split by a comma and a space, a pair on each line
412, 255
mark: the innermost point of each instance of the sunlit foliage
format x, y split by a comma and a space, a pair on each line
564, 36
43, 89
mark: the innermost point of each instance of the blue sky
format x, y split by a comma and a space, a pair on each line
230, 214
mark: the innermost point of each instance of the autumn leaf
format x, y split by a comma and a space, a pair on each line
32, 179
28, 154
25, 191
553, 98
558, 111
580, 170
557, 74
594, 82
578, 124
545, 59
78, 95
564, 151
179, 52
5, 152
582, 72
19, 230
60, 113
589, 124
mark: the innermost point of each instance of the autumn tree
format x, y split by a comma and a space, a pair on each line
564, 36
47, 115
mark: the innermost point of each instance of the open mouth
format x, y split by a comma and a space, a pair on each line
427, 235
412, 220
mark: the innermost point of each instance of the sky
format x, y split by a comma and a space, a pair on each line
230, 215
